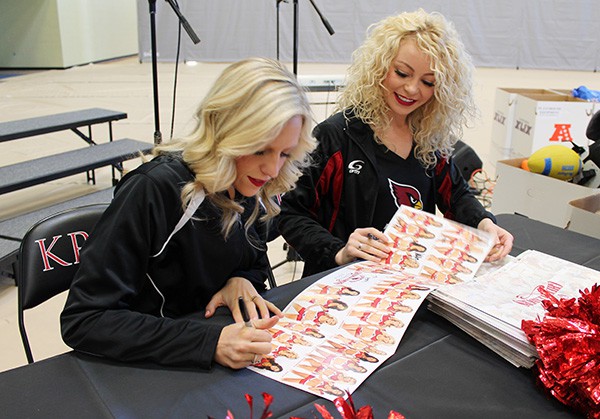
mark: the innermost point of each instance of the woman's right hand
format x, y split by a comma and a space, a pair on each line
364, 243
240, 346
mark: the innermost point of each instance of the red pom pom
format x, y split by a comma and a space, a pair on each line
348, 411
568, 344
345, 407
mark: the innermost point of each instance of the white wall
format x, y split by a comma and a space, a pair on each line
64, 33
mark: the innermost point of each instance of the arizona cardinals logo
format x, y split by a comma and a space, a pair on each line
405, 195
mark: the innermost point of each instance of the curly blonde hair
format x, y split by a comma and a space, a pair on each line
438, 124
243, 112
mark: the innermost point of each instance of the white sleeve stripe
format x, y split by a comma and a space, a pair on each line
188, 213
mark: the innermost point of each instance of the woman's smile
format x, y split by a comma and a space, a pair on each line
404, 101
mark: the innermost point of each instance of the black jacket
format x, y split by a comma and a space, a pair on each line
126, 304
337, 194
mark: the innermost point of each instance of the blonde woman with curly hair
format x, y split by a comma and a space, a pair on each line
186, 231
408, 96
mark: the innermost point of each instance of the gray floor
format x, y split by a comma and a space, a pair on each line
126, 85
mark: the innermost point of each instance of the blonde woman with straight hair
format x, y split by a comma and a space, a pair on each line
408, 96
186, 232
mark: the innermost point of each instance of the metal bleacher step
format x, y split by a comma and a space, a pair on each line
16, 227
12, 230
29, 127
44, 169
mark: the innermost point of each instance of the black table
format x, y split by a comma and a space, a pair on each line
437, 372
565, 244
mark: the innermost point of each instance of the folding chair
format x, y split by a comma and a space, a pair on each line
49, 258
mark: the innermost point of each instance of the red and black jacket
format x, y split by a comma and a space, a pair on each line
338, 192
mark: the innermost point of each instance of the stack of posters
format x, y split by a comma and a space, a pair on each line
492, 306
340, 329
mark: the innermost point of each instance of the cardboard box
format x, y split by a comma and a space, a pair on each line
498, 153
548, 119
536, 196
527, 119
585, 215
505, 105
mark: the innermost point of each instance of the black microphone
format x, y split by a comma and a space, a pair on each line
323, 19
186, 25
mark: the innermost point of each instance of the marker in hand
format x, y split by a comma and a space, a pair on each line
244, 311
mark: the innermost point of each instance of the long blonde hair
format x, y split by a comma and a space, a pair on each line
242, 113
437, 125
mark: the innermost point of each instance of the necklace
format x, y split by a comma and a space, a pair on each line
398, 143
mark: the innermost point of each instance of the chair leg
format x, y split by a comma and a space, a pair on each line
271, 278
24, 338
291, 256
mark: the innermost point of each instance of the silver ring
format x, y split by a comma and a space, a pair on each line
256, 359
359, 246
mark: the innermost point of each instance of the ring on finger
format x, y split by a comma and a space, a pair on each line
359, 246
254, 298
256, 359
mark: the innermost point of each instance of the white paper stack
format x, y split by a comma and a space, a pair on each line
492, 306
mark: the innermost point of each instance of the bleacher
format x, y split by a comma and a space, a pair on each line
45, 169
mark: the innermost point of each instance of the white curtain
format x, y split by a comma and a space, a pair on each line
543, 34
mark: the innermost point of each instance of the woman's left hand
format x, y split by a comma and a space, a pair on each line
364, 243
503, 240
228, 296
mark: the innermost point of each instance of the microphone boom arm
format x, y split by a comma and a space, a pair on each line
323, 19
186, 25
325, 22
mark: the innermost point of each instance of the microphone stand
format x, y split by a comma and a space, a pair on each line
323, 19
277, 2
157, 134
195, 40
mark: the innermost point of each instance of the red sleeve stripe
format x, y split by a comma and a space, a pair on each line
331, 179
445, 188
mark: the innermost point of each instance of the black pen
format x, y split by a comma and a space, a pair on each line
244, 312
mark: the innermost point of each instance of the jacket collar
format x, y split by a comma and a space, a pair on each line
360, 134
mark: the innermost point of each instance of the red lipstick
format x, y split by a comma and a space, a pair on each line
403, 102
257, 182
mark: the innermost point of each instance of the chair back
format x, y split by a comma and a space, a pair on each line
49, 258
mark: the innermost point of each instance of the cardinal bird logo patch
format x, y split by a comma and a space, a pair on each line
405, 195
